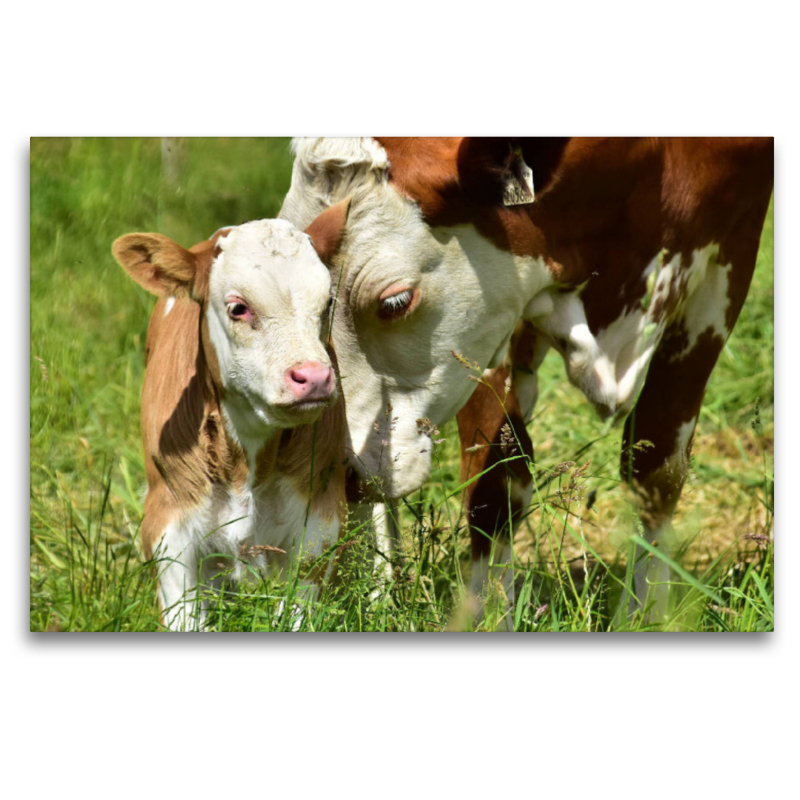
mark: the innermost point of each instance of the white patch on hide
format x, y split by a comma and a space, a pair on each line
519, 494
708, 303
610, 368
208, 544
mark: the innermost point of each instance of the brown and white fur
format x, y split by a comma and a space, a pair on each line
632, 261
242, 422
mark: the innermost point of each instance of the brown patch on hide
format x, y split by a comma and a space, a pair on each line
658, 470
206, 252
185, 444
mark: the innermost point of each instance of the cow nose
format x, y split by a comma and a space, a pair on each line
310, 381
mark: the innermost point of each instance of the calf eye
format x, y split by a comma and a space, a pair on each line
396, 305
237, 310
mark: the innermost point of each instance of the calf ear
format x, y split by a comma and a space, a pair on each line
493, 170
157, 263
327, 229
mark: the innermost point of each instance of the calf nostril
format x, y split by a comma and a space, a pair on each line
311, 380
297, 377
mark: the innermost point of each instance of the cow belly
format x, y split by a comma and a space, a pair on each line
610, 365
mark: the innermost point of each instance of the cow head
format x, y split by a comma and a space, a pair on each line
414, 281
265, 297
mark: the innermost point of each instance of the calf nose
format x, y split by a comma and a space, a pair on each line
310, 381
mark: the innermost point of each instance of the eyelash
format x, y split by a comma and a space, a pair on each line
396, 305
397, 301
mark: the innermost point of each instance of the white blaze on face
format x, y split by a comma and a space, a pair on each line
468, 296
273, 269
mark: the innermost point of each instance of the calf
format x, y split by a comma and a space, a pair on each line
242, 424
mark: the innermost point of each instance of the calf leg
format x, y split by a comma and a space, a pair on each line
174, 553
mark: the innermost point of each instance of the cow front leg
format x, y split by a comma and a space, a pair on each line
492, 430
387, 537
379, 523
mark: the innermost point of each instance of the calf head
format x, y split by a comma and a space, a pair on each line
415, 281
265, 297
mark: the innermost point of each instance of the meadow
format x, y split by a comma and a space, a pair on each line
87, 327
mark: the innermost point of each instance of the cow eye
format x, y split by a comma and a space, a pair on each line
396, 305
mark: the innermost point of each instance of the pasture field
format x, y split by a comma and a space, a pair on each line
87, 328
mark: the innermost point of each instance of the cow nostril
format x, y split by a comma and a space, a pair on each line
297, 377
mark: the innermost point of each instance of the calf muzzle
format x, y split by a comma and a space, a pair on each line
310, 381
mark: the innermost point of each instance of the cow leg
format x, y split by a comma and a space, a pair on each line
659, 431
493, 422
656, 448
380, 522
387, 536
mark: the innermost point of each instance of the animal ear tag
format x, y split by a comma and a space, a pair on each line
517, 181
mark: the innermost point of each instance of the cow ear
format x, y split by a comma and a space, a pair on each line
327, 229
493, 170
157, 263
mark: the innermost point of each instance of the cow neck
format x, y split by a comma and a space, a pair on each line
590, 193
596, 222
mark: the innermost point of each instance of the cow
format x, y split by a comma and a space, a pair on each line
242, 420
631, 257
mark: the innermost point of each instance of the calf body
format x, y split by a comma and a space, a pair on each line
242, 425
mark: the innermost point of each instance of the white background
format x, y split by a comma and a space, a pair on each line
398, 716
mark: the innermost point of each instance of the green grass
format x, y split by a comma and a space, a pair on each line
88, 323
